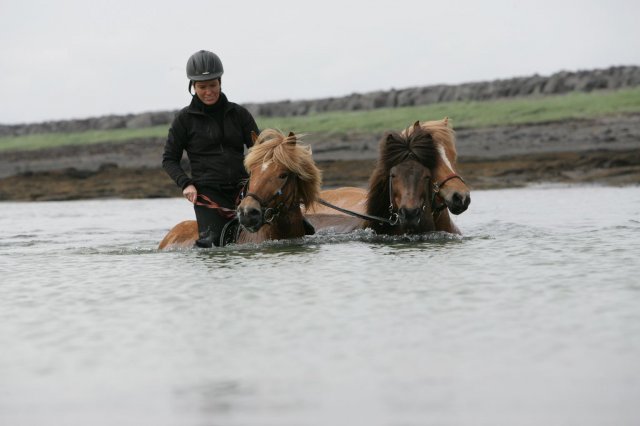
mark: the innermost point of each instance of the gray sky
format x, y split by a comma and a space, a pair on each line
76, 59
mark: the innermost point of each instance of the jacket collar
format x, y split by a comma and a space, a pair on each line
198, 107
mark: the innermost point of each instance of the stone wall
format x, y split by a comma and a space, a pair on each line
561, 82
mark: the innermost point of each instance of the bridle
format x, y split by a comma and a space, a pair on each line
394, 217
395, 214
268, 214
437, 203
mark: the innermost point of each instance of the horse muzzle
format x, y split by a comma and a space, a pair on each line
250, 218
458, 202
410, 217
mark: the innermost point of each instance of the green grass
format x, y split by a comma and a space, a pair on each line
468, 114
48, 140
462, 114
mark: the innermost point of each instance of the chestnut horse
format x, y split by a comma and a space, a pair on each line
282, 175
450, 189
400, 197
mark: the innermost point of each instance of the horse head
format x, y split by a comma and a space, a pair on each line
401, 183
409, 196
282, 175
448, 184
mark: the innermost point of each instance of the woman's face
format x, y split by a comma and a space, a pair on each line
208, 91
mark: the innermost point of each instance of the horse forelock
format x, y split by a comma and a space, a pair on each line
419, 145
444, 137
285, 151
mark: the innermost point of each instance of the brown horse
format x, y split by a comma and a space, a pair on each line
450, 189
399, 199
282, 175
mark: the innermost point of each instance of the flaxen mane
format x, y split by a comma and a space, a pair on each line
283, 150
394, 149
443, 135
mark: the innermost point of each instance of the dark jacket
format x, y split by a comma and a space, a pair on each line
216, 152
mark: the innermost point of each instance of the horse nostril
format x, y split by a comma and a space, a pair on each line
409, 213
249, 216
253, 213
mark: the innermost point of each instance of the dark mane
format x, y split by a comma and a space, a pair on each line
394, 149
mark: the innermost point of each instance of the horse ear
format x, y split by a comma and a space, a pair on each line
292, 138
445, 121
416, 125
390, 136
254, 136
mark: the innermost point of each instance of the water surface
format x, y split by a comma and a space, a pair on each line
532, 317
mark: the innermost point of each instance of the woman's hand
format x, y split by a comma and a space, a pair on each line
190, 193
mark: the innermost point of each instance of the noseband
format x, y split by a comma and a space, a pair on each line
270, 213
438, 185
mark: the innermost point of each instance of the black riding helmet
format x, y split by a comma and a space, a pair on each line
203, 65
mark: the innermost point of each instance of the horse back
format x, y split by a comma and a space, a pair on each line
348, 197
183, 235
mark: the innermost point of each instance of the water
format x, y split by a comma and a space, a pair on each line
531, 318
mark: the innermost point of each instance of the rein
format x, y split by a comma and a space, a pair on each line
391, 221
210, 204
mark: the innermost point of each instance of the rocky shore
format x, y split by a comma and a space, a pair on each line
601, 151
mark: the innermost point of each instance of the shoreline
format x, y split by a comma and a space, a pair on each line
613, 168
603, 151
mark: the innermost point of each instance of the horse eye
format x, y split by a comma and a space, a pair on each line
283, 175
393, 175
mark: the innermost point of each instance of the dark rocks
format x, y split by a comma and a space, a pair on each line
561, 82
107, 122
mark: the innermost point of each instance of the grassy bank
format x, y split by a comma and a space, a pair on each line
502, 112
463, 115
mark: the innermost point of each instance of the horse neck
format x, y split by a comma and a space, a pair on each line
288, 225
285, 226
443, 222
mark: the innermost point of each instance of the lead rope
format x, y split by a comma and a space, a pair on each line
356, 214
392, 220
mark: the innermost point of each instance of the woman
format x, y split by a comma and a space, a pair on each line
214, 133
